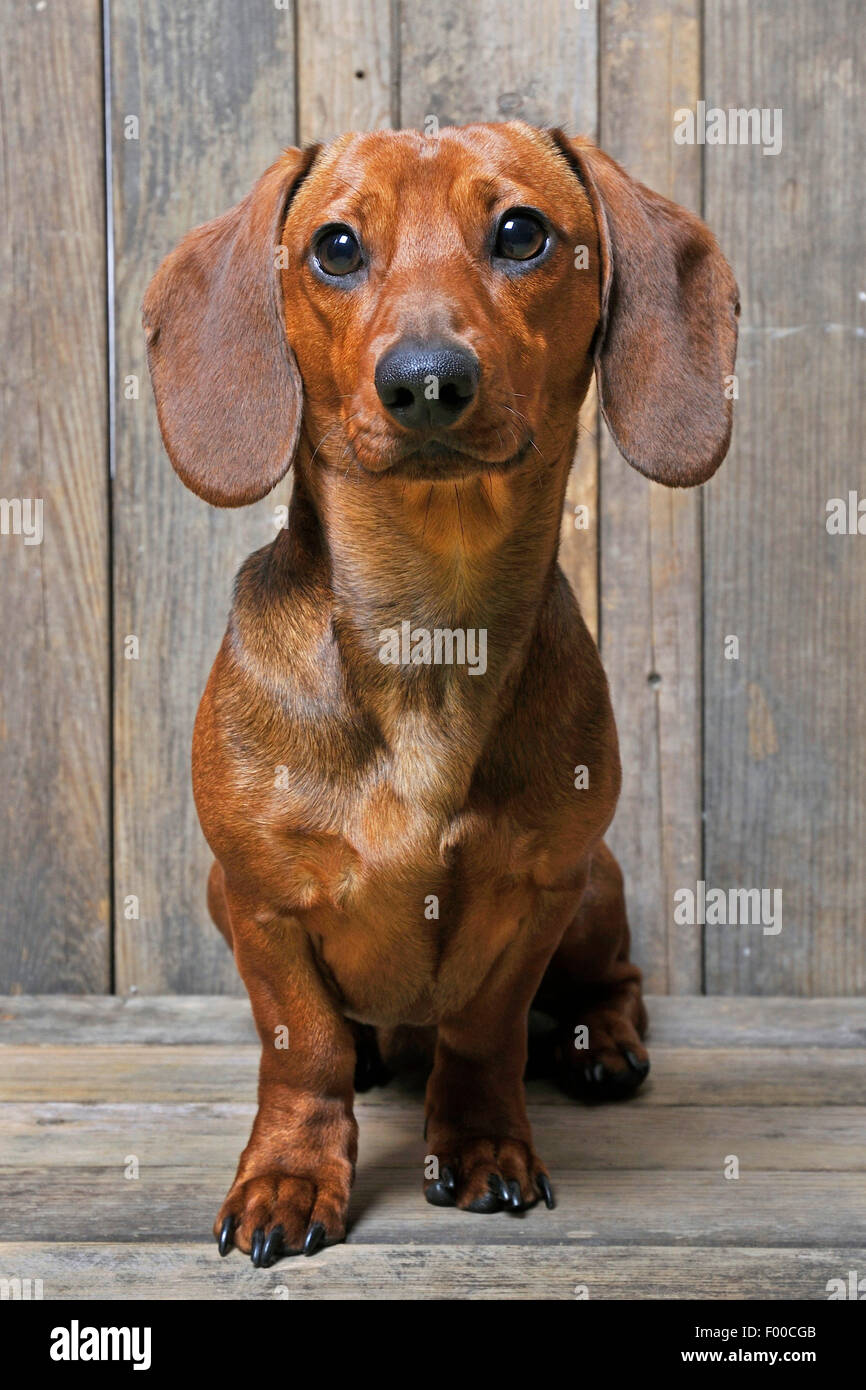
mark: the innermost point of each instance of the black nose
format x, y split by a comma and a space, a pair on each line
427, 384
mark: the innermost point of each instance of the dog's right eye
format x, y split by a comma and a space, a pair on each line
337, 251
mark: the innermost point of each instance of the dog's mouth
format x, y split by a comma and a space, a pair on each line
439, 460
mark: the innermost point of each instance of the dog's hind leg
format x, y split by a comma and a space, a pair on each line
216, 901
593, 991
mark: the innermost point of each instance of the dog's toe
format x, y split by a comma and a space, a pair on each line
615, 1078
489, 1175
276, 1214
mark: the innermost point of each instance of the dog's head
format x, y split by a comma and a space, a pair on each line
432, 307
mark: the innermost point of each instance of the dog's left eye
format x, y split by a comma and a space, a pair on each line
337, 251
521, 236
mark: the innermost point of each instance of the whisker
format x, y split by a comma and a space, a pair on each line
460, 516
427, 509
325, 436
487, 499
333, 430
530, 439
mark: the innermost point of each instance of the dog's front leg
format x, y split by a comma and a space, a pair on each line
291, 1190
477, 1126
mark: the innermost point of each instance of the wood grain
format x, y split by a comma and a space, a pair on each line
54, 721
675, 1020
214, 92
680, 1075
346, 68
388, 1208
650, 535
67, 1135
169, 1270
785, 725
483, 62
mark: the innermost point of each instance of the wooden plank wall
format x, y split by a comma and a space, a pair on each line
54, 653
650, 535
744, 772
785, 724
213, 87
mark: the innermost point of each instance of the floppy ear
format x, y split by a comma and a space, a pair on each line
227, 387
667, 338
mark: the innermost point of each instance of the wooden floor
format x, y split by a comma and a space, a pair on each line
93, 1089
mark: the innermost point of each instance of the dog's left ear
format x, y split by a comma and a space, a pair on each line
227, 387
667, 339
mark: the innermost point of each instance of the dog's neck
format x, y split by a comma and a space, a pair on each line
472, 554
466, 558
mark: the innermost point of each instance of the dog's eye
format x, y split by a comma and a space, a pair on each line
521, 236
337, 251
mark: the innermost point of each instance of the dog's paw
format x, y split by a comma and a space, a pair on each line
601, 1058
277, 1213
486, 1175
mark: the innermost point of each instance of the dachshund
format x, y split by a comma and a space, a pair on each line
405, 860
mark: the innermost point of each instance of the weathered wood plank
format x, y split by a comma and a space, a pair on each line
675, 1020
482, 62
650, 535
680, 1076
388, 1208
165, 1136
54, 720
130, 1018
399, 1271
345, 61
214, 93
785, 727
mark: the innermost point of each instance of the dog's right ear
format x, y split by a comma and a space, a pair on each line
667, 340
227, 387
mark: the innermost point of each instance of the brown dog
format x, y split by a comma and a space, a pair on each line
399, 838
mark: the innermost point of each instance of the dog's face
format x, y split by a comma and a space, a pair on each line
429, 307
440, 297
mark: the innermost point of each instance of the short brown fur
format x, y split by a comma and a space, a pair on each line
347, 801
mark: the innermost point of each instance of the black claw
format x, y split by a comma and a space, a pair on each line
257, 1246
642, 1068
438, 1195
315, 1238
497, 1184
225, 1242
273, 1247
514, 1198
449, 1179
546, 1190
598, 1072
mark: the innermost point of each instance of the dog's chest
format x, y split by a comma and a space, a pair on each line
409, 932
